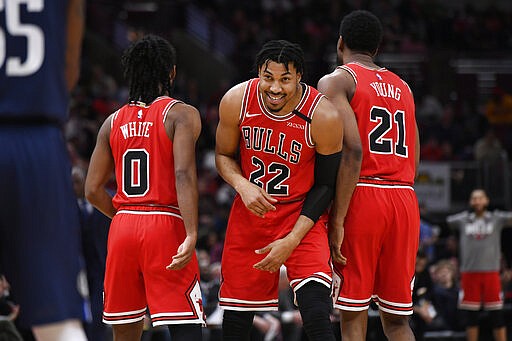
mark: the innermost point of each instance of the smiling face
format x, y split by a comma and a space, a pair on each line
279, 86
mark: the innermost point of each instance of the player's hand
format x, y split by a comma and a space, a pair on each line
336, 235
15, 311
257, 200
278, 252
184, 255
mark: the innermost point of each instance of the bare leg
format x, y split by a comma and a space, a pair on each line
396, 327
500, 334
353, 325
128, 331
472, 333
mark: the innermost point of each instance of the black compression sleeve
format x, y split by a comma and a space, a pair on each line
322, 192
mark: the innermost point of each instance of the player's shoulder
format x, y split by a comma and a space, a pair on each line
326, 113
339, 74
180, 106
236, 91
182, 112
338, 81
232, 99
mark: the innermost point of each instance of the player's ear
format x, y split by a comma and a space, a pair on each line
340, 44
172, 74
339, 50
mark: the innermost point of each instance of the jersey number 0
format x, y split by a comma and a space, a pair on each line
135, 172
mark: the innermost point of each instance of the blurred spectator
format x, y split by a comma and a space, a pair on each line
215, 246
499, 107
432, 150
480, 246
8, 313
444, 296
448, 248
423, 310
428, 238
488, 148
291, 321
429, 109
94, 232
267, 325
408, 26
214, 313
506, 284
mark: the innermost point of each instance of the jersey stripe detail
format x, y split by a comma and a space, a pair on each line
393, 307
319, 277
124, 317
311, 113
168, 107
361, 184
245, 100
243, 305
349, 70
149, 212
114, 118
352, 305
304, 98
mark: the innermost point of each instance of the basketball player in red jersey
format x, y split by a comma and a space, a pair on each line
150, 143
288, 138
380, 246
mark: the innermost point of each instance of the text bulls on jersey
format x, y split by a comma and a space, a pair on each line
262, 139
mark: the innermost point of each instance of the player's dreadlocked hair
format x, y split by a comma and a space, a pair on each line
147, 64
282, 52
361, 31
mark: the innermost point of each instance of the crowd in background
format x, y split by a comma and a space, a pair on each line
451, 128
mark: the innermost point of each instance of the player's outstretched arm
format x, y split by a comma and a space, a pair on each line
257, 200
183, 125
100, 171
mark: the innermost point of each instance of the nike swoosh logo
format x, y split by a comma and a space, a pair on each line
252, 114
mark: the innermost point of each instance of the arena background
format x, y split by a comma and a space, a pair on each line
456, 56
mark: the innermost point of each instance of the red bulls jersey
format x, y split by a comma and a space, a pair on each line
277, 152
385, 113
143, 155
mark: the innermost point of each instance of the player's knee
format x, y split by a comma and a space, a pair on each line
315, 305
392, 324
470, 318
314, 298
236, 325
497, 318
186, 332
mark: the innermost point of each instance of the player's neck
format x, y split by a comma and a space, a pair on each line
362, 59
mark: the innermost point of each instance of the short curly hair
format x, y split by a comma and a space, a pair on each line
361, 31
282, 52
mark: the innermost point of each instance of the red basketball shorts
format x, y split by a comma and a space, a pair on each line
246, 288
380, 243
479, 288
140, 245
